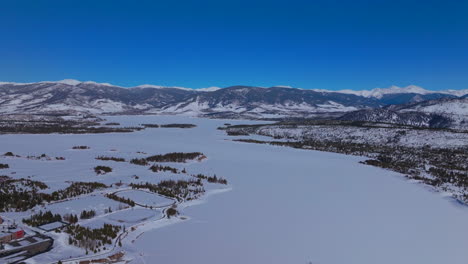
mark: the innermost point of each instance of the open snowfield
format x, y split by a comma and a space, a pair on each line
286, 205
127, 217
146, 198
95, 202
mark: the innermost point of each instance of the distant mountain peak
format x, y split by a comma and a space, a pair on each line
69, 82
380, 92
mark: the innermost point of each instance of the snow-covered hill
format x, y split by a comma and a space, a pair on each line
458, 106
417, 119
411, 89
440, 113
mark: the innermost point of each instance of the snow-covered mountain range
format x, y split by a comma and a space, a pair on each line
71, 97
411, 89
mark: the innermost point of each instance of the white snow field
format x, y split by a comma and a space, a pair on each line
284, 205
145, 198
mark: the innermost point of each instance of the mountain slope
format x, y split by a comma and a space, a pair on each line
416, 119
454, 106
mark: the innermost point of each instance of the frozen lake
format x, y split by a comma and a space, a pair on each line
285, 206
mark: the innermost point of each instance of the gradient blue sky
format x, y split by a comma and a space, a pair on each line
358, 44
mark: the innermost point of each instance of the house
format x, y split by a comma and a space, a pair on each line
14, 234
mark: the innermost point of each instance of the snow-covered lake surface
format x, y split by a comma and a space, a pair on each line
285, 205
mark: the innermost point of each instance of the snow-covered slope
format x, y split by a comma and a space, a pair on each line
440, 113
71, 96
416, 119
457, 106
411, 89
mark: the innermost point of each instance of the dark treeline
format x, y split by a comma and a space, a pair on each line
169, 125
4, 166
158, 168
175, 157
71, 218
80, 147
76, 189
150, 125
178, 125
142, 161
23, 194
87, 214
120, 199
110, 158
44, 157
236, 133
168, 157
211, 179
61, 128
42, 219
180, 190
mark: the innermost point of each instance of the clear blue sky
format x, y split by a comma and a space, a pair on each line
329, 44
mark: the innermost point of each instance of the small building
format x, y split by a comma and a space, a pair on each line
14, 234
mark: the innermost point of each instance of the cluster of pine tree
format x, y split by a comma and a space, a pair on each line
120, 199
150, 125
20, 194
158, 168
42, 218
87, 214
178, 125
180, 190
172, 211
211, 179
141, 162
110, 158
76, 189
102, 169
92, 239
44, 157
175, 157
23, 194
71, 218
61, 128
80, 147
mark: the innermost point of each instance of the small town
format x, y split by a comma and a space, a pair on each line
16, 244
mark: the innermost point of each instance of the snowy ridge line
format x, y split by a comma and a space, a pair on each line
376, 92
73, 82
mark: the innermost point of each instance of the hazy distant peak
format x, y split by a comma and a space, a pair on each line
209, 89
